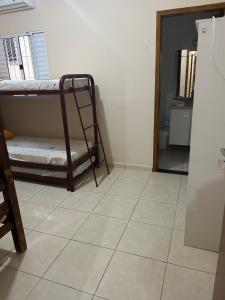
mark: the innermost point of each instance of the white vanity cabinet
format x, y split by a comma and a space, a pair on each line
180, 126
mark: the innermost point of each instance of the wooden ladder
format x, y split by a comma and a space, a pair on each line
98, 136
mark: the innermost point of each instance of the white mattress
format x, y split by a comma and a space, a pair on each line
79, 170
30, 85
44, 150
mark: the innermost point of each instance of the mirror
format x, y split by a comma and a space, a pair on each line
186, 69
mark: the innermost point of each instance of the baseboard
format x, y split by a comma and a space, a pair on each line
130, 166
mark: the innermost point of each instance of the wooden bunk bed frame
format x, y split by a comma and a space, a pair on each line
71, 165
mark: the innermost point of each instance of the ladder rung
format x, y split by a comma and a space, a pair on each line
4, 209
83, 106
92, 125
5, 229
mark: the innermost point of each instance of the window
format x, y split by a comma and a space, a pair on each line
24, 57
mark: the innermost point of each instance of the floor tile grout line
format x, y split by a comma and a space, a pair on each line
34, 229
68, 241
173, 204
139, 255
42, 188
148, 173
151, 224
99, 246
46, 279
48, 214
61, 284
120, 239
112, 253
86, 220
120, 251
102, 298
124, 232
163, 282
76, 289
33, 288
92, 211
84, 211
101, 214
132, 197
142, 256
27, 273
47, 269
104, 272
66, 244
58, 206
189, 268
42, 203
110, 217
95, 245
144, 184
83, 223
60, 236
174, 223
164, 278
106, 216
20, 271
13, 247
45, 218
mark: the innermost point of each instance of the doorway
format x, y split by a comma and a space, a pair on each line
176, 57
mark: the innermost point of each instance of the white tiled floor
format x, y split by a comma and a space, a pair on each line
122, 241
174, 158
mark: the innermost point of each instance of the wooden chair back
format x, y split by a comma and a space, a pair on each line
10, 217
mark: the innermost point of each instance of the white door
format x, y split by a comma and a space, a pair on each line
206, 189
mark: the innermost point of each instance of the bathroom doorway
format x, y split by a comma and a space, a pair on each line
176, 58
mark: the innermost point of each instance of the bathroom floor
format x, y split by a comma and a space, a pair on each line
174, 158
123, 240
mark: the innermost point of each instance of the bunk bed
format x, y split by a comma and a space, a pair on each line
57, 161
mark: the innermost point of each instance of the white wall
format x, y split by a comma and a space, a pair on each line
114, 41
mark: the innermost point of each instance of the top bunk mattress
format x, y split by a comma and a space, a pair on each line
44, 150
39, 85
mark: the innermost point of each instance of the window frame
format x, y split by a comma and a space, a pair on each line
33, 50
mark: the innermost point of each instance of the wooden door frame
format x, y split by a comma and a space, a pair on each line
159, 17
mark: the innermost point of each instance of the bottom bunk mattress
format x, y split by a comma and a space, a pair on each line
46, 151
46, 173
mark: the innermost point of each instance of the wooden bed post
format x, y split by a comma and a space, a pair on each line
70, 180
93, 100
